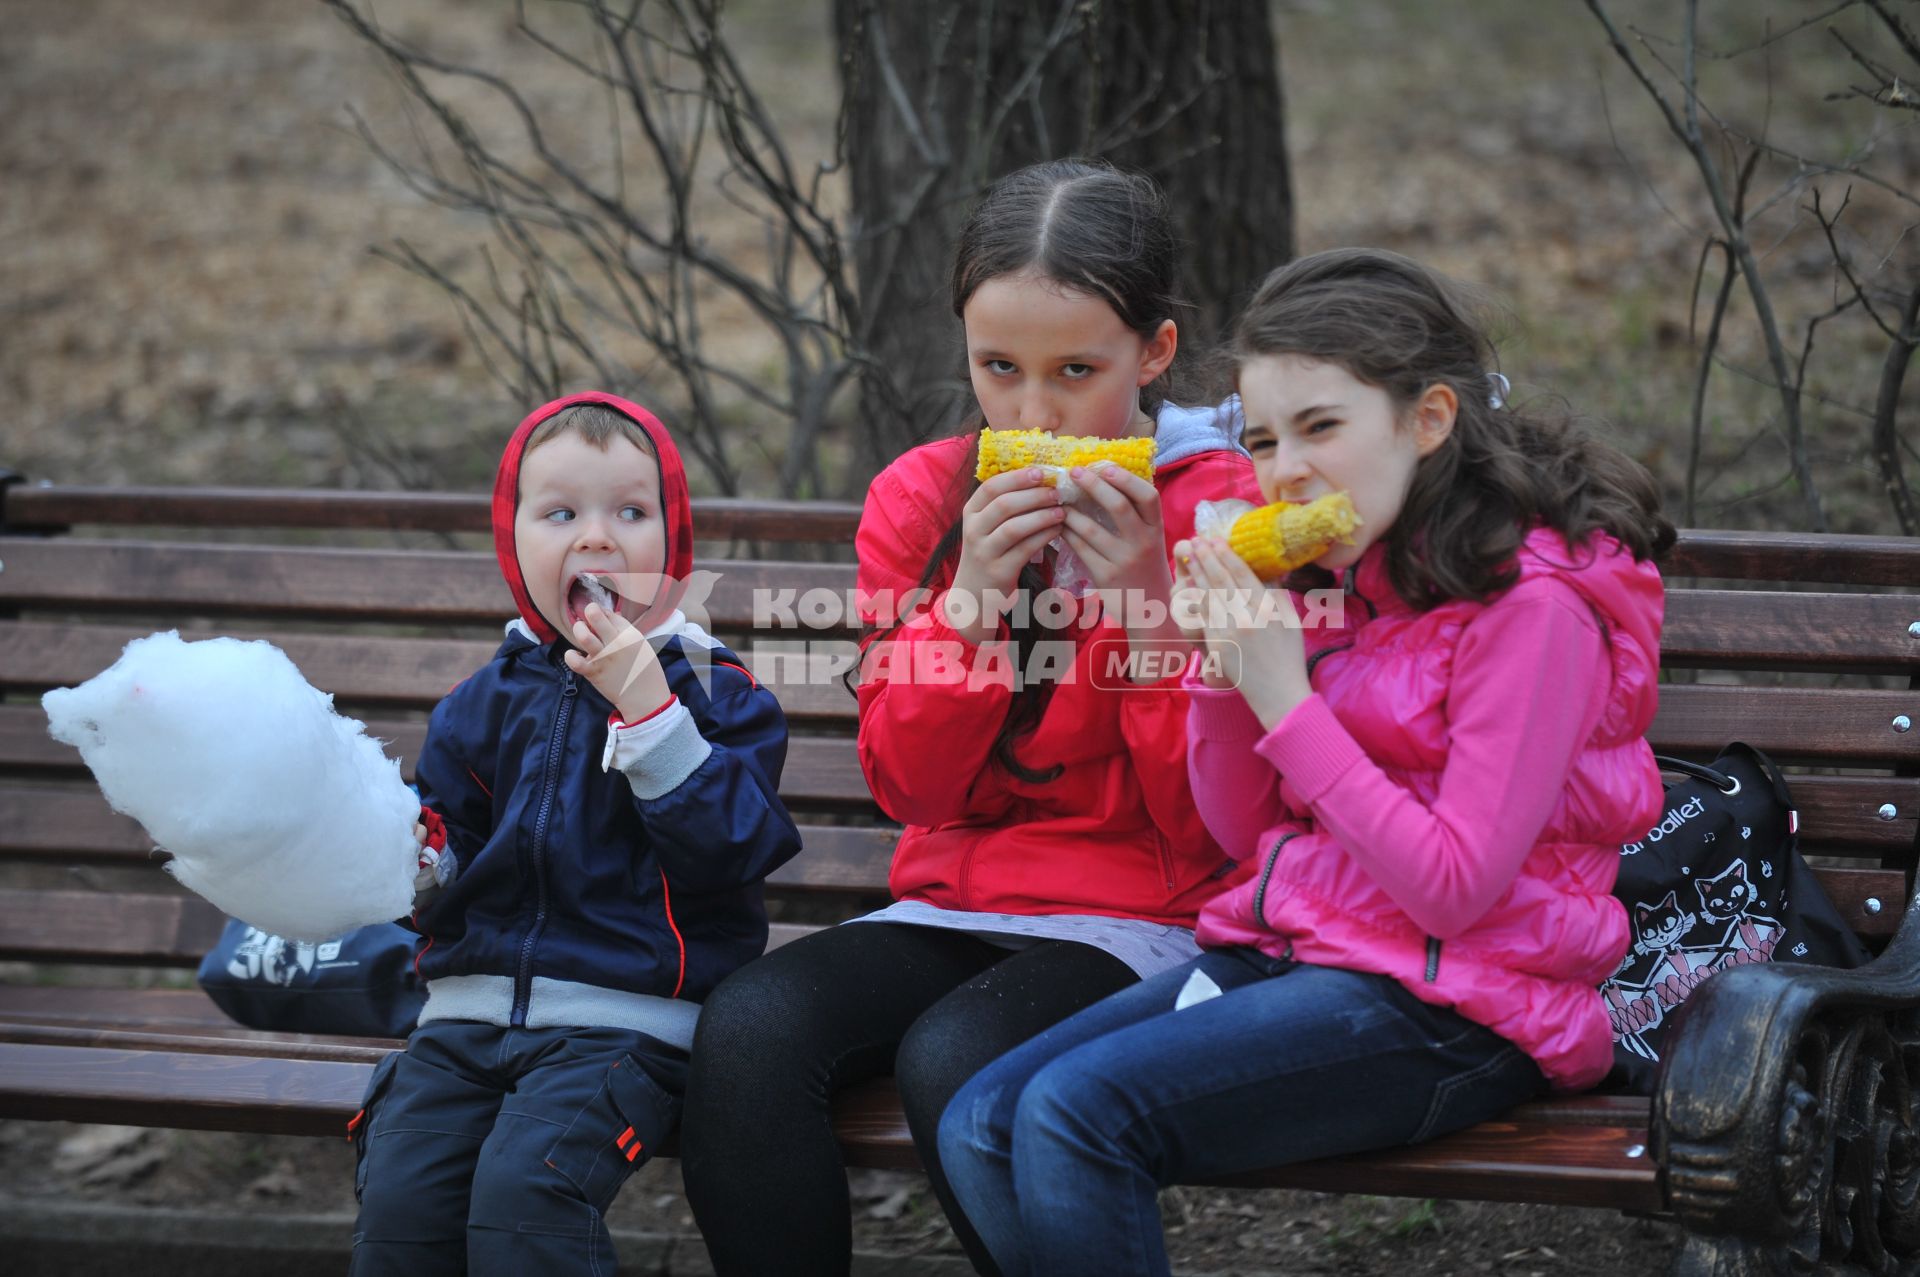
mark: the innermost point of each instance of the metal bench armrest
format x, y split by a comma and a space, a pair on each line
1783, 1114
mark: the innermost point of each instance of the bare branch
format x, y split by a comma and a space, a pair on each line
1886, 449
580, 260
1697, 415
1606, 110
1772, 38
1733, 231
1827, 225
1887, 93
1902, 34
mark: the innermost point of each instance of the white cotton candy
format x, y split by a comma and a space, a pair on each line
275, 808
597, 591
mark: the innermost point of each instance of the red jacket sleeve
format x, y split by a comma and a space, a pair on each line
927, 721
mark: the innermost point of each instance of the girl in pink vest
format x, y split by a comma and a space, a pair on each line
1426, 789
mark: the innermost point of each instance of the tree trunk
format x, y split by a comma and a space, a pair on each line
940, 100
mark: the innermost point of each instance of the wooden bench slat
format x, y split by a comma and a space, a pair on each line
1825, 725
123, 1008
146, 929
839, 858
1830, 557
73, 824
1816, 725
156, 929
357, 670
1549, 1152
1838, 814
221, 1040
416, 673
1833, 726
1863, 632
855, 859
1500, 1161
1856, 632
1516, 1158
175, 929
329, 582
1854, 890
1725, 554
821, 771
63, 505
188, 1090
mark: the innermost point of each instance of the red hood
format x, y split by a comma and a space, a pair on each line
674, 508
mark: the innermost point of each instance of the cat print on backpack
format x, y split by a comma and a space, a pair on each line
1658, 927
1709, 888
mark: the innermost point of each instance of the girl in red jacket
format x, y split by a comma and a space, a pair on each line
1011, 719
1430, 794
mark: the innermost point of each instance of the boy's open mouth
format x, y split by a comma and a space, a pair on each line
591, 587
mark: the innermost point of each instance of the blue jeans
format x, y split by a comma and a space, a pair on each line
485, 1150
1057, 1150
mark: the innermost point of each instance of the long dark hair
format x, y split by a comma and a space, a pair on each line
1394, 324
1092, 228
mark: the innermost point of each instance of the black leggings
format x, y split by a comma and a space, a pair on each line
779, 1036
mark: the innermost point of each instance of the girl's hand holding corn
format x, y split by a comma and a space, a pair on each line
1115, 528
1264, 656
1009, 519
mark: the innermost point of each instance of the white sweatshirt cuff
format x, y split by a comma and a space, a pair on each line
658, 753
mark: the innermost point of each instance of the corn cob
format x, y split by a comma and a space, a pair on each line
1276, 539
1004, 450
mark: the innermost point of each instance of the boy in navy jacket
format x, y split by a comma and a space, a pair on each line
599, 808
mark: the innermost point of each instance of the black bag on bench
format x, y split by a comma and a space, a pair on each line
361, 985
1719, 882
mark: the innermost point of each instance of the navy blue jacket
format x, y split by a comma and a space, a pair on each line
561, 870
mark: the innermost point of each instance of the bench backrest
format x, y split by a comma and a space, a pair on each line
1805, 646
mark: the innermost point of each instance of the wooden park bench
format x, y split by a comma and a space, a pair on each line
1786, 1117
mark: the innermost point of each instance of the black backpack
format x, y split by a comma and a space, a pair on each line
1718, 882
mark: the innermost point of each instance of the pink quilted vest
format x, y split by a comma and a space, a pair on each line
1529, 966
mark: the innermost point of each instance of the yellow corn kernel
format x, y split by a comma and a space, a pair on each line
1276, 539
1004, 450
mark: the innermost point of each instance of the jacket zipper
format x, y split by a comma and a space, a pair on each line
550, 783
1260, 892
1372, 614
1321, 655
1352, 587
1433, 958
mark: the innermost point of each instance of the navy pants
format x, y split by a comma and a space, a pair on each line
496, 1151
1057, 1150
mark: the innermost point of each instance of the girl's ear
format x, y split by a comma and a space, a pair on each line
1433, 417
1158, 354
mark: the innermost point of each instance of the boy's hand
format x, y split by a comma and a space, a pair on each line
620, 663
434, 866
